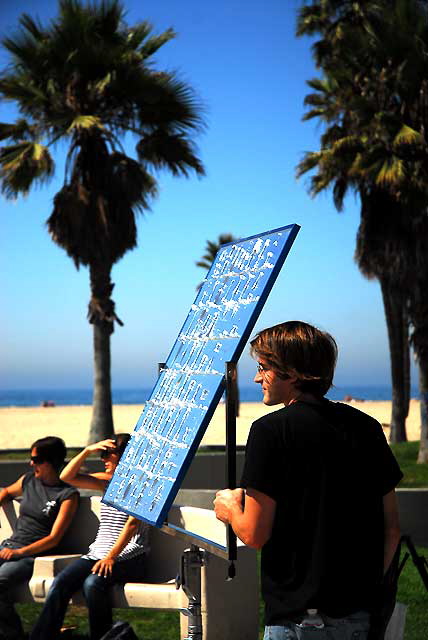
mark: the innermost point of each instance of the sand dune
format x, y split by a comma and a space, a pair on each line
19, 427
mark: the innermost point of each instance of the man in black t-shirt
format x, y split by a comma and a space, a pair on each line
317, 494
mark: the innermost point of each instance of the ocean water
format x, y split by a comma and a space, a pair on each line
35, 397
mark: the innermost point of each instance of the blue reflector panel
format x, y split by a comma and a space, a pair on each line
188, 389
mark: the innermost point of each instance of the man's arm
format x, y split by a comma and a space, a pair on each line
250, 514
391, 528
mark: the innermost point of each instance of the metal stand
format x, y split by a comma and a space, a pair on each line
192, 562
193, 559
230, 377
420, 562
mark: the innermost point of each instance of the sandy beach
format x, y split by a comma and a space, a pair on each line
19, 427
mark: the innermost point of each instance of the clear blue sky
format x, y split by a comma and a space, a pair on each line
249, 70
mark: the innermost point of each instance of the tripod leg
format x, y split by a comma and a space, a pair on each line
419, 561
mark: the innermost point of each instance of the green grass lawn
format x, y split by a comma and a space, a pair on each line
411, 591
147, 624
415, 475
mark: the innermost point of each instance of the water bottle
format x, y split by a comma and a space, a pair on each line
312, 619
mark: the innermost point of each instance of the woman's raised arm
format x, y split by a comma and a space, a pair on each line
71, 472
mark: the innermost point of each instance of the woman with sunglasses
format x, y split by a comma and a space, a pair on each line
116, 555
47, 507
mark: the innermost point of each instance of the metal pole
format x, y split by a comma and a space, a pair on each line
192, 561
230, 377
161, 365
420, 562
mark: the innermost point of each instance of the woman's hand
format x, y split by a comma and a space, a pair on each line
102, 445
9, 554
72, 474
104, 567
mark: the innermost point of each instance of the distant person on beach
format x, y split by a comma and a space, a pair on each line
317, 496
47, 508
116, 555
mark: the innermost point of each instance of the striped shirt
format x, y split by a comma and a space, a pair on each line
111, 525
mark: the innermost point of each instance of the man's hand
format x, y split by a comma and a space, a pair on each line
103, 567
9, 554
226, 501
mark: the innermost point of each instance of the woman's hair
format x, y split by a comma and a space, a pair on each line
300, 350
121, 440
51, 449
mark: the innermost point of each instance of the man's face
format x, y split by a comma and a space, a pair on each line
276, 390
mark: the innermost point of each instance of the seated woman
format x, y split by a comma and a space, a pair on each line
116, 555
47, 508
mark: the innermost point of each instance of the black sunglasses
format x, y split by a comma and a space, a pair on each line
106, 452
37, 459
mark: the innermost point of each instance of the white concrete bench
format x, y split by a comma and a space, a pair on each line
229, 608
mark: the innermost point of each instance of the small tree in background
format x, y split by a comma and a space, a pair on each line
86, 81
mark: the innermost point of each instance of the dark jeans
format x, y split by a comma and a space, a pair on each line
12, 573
78, 575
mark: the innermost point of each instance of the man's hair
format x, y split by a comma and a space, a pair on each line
52, 450
298, 349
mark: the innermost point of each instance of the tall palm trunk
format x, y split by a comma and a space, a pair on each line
101, 315
399, 350
423, 391
418, 313
419, 317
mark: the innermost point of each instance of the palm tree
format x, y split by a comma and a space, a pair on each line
205, 262
376, 253
376, 144
87, 81
212, 248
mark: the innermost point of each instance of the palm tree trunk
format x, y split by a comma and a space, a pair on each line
398, 335
101, 315
423, 391
418, 312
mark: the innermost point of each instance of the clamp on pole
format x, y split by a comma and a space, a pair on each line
189, 579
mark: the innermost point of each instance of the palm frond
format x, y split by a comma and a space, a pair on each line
174, 152
21, 165
392, 173
204, 264
340, 189
212, 248
156, 42
310, 20
85, 122
407, 136
138, 33
20, 130
311, 159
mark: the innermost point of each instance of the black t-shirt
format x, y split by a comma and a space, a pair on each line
38, 510
327, 466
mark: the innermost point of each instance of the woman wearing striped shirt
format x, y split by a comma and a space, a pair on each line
116, 555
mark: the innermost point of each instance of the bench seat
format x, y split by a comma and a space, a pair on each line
229, 608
